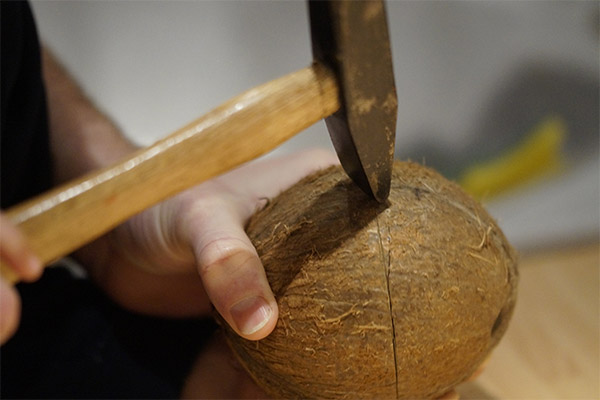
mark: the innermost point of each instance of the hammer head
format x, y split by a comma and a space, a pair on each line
351, 38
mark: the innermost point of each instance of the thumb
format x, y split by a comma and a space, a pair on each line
231, 271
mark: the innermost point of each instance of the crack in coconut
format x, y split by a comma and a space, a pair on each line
387, 266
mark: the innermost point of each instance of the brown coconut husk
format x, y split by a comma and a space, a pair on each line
397, 300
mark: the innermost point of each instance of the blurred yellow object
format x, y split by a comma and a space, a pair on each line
538, 154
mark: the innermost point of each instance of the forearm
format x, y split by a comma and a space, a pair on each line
82, 138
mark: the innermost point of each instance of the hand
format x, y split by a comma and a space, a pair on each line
452, 394
16, 256
216, 374
190, 251
178, 257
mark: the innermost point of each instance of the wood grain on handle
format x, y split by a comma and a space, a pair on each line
245, 127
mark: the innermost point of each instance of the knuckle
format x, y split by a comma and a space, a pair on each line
321, 157
226, 251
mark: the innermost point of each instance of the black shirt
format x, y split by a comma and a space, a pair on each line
73, 342
25, 155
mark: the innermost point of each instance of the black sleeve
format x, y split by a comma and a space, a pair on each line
73, 342
25, 162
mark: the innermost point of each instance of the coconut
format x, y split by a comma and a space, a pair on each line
397, 300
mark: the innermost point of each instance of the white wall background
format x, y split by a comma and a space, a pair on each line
155, 65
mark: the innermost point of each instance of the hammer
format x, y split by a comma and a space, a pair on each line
350, 83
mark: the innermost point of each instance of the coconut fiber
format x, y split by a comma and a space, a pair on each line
397, 300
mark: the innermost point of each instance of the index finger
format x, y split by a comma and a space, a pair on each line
17, 260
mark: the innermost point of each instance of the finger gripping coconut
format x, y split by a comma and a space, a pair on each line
397, 300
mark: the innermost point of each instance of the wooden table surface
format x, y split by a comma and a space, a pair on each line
551, 349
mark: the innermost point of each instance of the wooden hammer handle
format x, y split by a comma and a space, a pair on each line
243, 128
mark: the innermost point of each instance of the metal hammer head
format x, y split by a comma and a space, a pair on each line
351, 38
